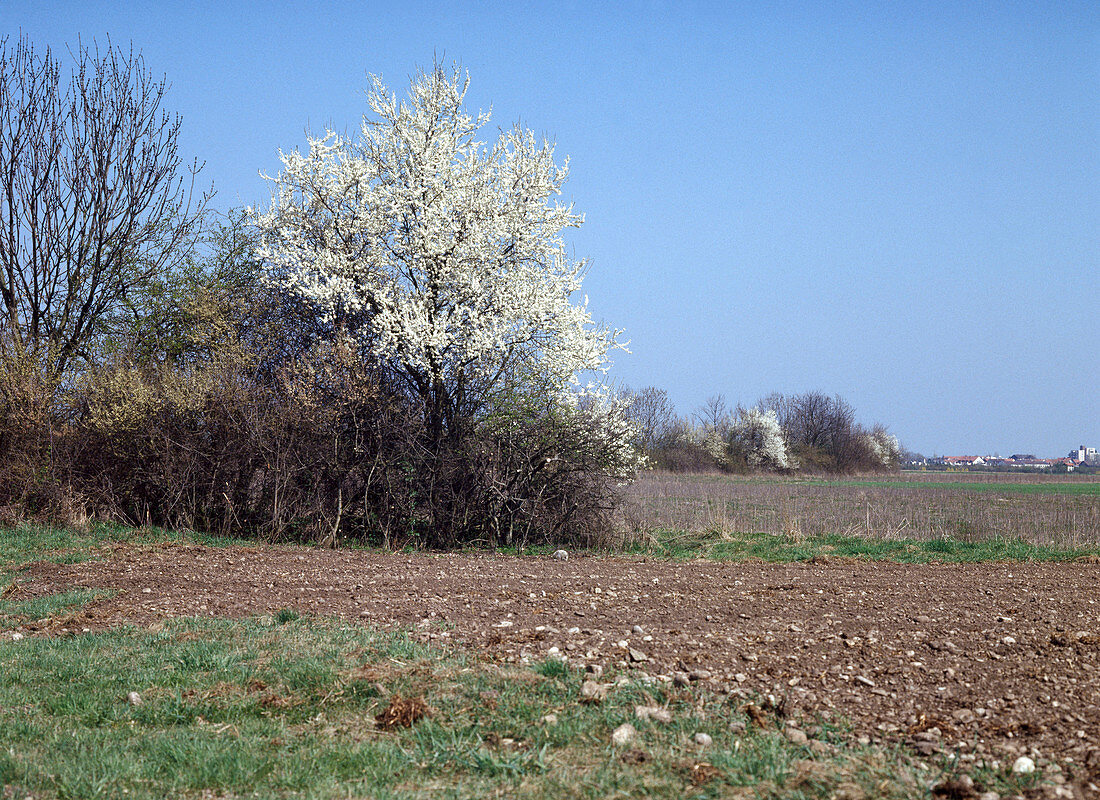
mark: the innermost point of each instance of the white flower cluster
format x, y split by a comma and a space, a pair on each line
609, 420
712, 441
884, 446
451, 250
761, 438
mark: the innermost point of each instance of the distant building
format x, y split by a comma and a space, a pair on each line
964, 461
1083, 453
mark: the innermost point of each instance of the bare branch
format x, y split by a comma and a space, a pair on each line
94, 198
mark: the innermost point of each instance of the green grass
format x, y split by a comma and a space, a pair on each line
1082, 488
18, 612
254, 708
31, 542
737, 546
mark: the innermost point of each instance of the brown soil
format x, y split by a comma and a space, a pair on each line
1000, 658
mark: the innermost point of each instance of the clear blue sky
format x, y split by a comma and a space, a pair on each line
896, 202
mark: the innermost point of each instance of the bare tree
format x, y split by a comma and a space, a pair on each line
653, 416
816, 420
93, 200
714, 415
781, 404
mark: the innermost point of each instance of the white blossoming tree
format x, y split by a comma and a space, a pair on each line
884, 448
757, 434
444, 257
449, 250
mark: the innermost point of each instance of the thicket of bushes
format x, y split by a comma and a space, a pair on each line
387, 354
221, 403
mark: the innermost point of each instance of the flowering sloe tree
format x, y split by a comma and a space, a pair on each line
758, 434
447, 250
884, 447
443, 257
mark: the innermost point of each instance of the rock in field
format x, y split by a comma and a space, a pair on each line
593, 693
655, 713
1023, 765
796, 736
623, 734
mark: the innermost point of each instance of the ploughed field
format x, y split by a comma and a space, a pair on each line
991, 660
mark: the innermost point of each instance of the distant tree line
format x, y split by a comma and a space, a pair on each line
807, 432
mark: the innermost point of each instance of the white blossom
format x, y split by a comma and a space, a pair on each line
884, 447
449, 249
760, 437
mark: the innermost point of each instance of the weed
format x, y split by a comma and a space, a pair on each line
285, 615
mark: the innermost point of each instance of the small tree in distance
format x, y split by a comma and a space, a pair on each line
884, 447
653, 415
757, 435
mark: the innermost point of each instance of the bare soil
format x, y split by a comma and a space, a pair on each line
991, 660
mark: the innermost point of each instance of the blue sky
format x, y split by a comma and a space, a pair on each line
895, 202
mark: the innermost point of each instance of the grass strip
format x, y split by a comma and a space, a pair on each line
740, 546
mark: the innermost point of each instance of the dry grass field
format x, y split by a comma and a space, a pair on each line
1043, 510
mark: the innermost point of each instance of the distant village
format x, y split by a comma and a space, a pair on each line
1079, 459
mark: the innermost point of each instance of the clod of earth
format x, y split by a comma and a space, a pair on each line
655, 713
593, 693
961, 788
701, 773
758, 717
402, 712
796, 736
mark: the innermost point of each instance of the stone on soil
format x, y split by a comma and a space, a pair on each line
655, 713
796, 736
1023, 765
623, 734
592, 692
